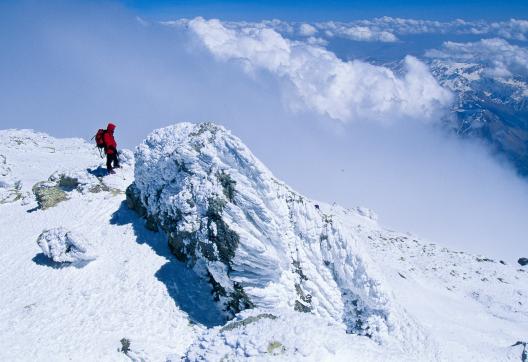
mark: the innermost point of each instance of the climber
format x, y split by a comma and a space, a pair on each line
110, 148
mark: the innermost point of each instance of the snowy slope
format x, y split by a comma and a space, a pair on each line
48, 313
401, 297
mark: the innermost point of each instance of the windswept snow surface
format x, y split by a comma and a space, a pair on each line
402, 298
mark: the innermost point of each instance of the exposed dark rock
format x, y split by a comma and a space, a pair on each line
225, 239
125, 345
299, 307
480, 260
247, 321
228, 185
133, 201
524, 355
297, 269
220, 244
68, 183
238, 300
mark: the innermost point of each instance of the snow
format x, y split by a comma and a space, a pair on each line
49, 313
283, 336
403, 298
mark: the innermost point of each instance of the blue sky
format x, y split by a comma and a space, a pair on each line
310, 10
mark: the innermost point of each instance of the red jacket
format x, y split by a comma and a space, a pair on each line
110, 143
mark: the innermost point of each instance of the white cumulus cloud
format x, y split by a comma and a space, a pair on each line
347, 91
307, 29
511, 29
384, 29
352, 31
501, 58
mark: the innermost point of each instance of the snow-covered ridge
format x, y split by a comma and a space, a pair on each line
406, 299
18, 176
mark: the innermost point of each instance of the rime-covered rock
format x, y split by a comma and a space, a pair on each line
63, 246
257, 241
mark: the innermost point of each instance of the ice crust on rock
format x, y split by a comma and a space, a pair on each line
259, 243
63, 246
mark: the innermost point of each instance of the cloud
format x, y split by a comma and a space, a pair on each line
501, 59
510, 29
314, 40
384, 29
364, 33
307, 29
356, 32
346, 91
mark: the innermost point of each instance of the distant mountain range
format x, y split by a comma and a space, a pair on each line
487, 107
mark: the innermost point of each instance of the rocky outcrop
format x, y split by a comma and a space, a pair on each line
258, 242
48, 194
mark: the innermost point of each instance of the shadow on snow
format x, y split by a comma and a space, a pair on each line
99, 171
42, 260
192, 294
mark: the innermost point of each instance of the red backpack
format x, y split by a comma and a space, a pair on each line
99, 138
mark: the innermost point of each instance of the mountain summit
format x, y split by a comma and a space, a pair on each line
198, 252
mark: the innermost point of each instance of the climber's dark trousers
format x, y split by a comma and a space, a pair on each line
111, 159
